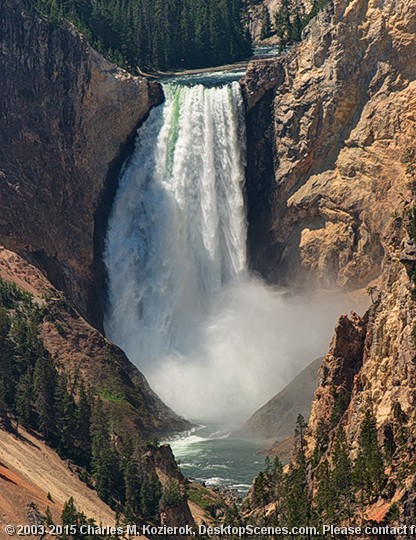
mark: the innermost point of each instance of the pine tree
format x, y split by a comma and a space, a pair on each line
172, 496
266, 23
297, 492
103, 458
283, 24
44, 379
69, 512
150, 495
23, 402
326, 495
400, 429
132, 482
259, 490
2, 393
297, 27
64, 418
277, 481
300, 432
341, 477
83, 426
321, 440
368, 473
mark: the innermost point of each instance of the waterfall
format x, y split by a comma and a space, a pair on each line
213, 341
177, 232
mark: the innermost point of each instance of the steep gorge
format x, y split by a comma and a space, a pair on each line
333, 173
331, 129
330, 123
67, 118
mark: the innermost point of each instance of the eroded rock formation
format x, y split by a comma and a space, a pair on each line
336, 116
66, 116
334, 173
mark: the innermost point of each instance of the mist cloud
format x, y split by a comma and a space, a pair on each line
253, 343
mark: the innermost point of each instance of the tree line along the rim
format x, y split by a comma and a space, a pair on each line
176, 34
158, 34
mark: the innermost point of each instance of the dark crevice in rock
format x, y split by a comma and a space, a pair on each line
260, 185
60, 157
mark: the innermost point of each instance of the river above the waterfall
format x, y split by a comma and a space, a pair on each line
213, 457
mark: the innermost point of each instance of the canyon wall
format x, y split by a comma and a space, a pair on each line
336, 117
84, 354
66, 117
331, 190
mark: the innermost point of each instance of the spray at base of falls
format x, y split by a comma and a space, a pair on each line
214, 342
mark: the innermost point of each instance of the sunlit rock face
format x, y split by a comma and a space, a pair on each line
329, 124
340, 133
66, 114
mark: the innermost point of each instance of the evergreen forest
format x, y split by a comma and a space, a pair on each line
288, 21
157, 34
71, 418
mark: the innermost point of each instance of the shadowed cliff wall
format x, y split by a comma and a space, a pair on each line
66, 117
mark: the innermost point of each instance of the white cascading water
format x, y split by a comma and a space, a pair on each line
214, 342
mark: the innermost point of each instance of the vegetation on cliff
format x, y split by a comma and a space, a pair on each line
332, 488
78, 422
158, 34
289, 20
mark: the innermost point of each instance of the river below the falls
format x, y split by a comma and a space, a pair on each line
214, 457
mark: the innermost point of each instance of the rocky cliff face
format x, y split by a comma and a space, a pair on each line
338, 145
66, 116
275, 420
254, 15
82, 353
371, 366
336, 116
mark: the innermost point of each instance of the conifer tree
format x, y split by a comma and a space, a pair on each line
23, 402
69, 514
83, 426
341, 477
64, 418
326, 495
321, 440
297, 27
150, 495
277, 481
369, 467
400, 429
44, 379
104, 461
2, 393
283, 24
172, 496
297, 492
132, 482
266, 23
